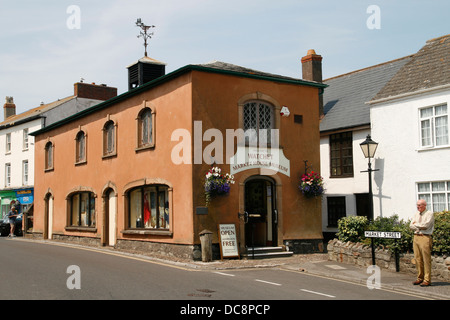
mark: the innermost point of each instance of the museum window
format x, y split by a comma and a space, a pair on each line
259, 121
49, 154
82, 209
341, 155
109, 139
148, 207
80, 152
145, 129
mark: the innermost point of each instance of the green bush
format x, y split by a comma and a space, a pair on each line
352, 229
441, 233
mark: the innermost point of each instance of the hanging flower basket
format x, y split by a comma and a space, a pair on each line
217, 184
311, 185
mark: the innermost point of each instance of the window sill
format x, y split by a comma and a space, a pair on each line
145, 147
110, 155
154, 232
79, 163
422, 149
49, 169
81, 229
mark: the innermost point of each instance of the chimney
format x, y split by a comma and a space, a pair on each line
9, 108
312, 71
94, 91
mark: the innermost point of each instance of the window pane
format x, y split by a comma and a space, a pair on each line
441, 131
438, 202
427, 112
84, 209
426, 132
441, 110
163, 202
150, 210
136, 209
438, 186
424, 187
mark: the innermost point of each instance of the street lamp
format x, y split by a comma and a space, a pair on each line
369, 147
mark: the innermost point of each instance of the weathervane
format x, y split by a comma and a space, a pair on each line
144, 33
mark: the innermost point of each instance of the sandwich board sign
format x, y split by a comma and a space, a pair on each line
228, 241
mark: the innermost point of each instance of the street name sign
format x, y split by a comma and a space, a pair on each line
383, 234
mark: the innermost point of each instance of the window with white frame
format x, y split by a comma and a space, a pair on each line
8, 142
25, 172
25, 139
7, 174
434, 126
436, 194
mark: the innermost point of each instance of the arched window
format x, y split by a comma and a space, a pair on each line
82, 209
49, 156
258, 123
149, 207
109, 139
80, 155
145, 128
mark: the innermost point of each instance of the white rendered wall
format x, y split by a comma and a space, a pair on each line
403, 163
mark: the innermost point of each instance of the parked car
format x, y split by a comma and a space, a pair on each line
5, 227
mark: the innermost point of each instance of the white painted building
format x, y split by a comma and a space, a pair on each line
403, 105
410, 118
17, 146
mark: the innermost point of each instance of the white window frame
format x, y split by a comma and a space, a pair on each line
25, 172
431, 129
7, 174
432, 192
8, 143
25, 139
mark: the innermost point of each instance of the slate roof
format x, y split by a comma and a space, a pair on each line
219, 65
428, 68
33, 113
345, 98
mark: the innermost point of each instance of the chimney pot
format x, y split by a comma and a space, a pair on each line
9, 108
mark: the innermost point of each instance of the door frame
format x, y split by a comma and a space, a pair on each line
109, 194
249, 175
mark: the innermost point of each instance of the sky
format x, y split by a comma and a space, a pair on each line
47, 46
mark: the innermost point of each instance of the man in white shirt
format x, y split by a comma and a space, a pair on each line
422, 224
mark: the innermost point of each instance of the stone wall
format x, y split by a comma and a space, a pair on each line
361, 255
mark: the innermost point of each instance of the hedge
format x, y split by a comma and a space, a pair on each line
352, 229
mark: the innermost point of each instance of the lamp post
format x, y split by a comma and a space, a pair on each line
369, 147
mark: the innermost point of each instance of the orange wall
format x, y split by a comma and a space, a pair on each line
194, 96
215, 103
172, 103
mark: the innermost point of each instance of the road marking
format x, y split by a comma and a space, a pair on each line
273, 283
319, 293
225, 274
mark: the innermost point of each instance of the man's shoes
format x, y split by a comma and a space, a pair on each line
425, 284
417, 282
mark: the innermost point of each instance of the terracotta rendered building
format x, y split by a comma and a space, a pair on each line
130, 172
